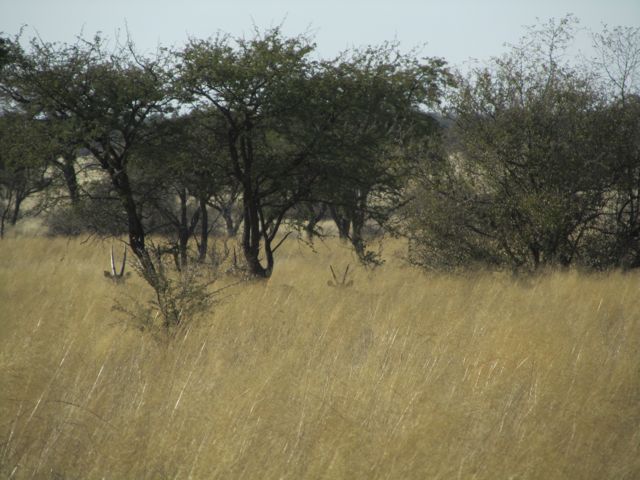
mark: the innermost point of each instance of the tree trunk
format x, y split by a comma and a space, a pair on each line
120, 181
70, 178
357, 224
204, 232
535, 255
251, 238
7, 200
16, 210
3, 220
227, 216
342, 222
269, 254
183, 229
313, 219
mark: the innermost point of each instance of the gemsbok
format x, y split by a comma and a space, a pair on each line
340, 283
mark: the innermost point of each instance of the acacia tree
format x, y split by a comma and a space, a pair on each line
16, 96
295, 128
526, 177
23, 164
23, 146
617, 66
263, 88
384, 96
106, 97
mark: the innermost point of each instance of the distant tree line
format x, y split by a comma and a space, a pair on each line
527, 161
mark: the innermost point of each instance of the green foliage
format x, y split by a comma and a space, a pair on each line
541, 164
25, 147
263, 91
618, 72
97, 212
298, 130
381, 94
526, 177
98, 98
180, 297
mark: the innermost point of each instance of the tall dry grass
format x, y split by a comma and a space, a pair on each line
404, 375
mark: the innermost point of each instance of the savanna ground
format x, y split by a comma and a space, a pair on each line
404, 375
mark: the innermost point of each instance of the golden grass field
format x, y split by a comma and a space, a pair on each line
405, 375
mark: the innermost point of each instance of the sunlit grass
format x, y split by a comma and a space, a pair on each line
404, 375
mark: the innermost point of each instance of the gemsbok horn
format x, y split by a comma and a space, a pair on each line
113, 274
340, 283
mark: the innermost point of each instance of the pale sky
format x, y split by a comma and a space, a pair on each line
455, 29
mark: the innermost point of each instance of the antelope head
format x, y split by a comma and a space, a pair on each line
340, 283
113, 274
